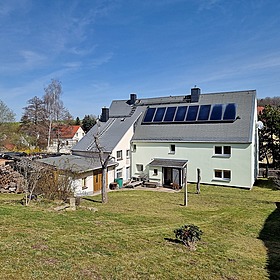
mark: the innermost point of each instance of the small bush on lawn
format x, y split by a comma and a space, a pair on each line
189, 235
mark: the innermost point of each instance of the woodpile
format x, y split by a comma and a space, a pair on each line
11, 181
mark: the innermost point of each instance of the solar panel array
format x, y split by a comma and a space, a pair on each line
191, 114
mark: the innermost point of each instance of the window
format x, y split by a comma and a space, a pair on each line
222, 151
133, 148
119, 155
155, 172
139, 167
119, 173
127, 153
84, 183
224, 175
172, 149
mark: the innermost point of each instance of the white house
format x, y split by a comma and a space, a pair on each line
65, 137
216, 133
167, 139
86, 172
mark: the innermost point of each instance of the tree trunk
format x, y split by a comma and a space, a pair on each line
104, 187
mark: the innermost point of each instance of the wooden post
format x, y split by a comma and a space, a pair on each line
186, 188
198, 181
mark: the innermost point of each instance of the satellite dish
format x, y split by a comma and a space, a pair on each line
260, 125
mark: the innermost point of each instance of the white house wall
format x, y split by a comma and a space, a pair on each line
199, 155
77, 183
124, 146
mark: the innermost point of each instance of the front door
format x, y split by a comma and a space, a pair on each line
171, 175
97, 180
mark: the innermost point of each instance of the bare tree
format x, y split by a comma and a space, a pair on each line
104, 158
54, 106
6, 116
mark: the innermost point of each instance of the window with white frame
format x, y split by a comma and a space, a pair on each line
133, 148
222, 151
119, 173
224, 175
119, 155
172, 149
155, 172
139, 167
127, 153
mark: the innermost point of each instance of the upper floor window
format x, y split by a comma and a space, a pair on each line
222, 150
172, 149
133, 148
119, 155
127, 153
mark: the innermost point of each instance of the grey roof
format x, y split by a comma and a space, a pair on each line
122, 115
239, 131
175, 163
76, 164
110, 132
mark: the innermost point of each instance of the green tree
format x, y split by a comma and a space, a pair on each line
34, 122
77, 122
88, 122
270, 135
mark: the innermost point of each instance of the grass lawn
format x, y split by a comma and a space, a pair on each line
132, 236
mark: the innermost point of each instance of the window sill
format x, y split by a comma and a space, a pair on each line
171, 153
221, 180
221, 156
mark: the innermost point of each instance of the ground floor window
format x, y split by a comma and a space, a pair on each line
119, 173
139, 167
84, 183
220, 174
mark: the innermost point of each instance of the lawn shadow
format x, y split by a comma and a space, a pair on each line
266, 184
92, 200
173, 240
270, 235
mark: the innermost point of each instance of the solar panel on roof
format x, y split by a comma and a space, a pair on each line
216, 114
149, 114
169, 115
192, 113
195, 113
204, 111
180, 114
159, 114
230, 112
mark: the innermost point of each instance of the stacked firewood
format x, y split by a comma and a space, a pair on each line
11, 181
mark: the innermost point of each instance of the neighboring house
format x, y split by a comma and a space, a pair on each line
114, 132
86, 172
65, 137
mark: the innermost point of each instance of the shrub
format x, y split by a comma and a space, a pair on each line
189, 235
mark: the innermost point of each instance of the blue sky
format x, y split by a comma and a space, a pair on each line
104, 50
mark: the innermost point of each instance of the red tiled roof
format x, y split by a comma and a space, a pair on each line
69, 131
260, 109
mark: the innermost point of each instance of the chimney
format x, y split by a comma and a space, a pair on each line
104, 115
195, 93
133, 98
